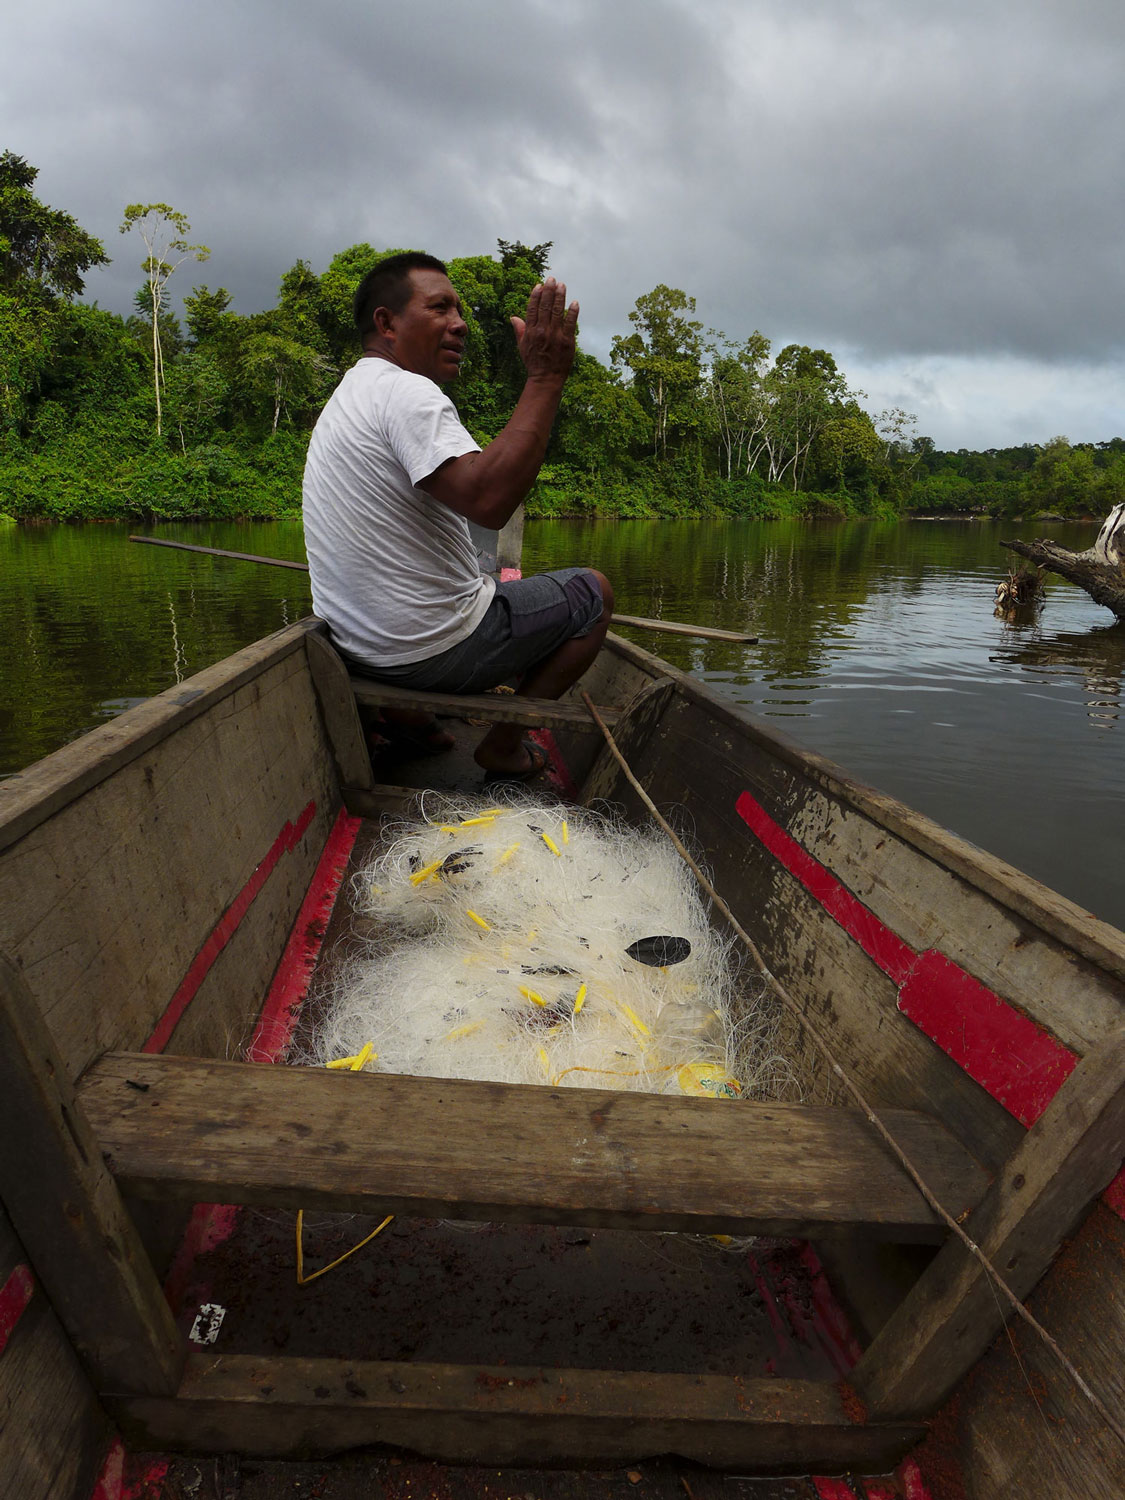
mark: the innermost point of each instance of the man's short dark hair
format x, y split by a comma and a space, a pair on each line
387, 284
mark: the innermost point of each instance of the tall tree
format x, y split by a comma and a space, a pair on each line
204, 311
664, 354
805, 387
738, 401
164, 231
492, 292
44, 256
41, 249
536, 256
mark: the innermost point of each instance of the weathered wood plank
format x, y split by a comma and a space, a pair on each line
509, 542
506, 1414
296, 1137
496, 708
68, 1213
31, 796
637, 728
341, 718
953, 1313
107, 905
52, 1431
1019, 1425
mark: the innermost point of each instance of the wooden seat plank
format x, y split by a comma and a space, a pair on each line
506, 1414
227, 1132
497, 708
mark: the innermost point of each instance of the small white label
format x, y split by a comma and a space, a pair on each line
208, 1321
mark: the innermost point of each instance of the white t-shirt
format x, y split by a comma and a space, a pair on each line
394, 571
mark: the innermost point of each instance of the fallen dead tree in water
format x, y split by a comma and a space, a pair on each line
1100, 570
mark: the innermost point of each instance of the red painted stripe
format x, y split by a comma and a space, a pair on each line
144, 1477
876, 1490
1019, 1062
291, 981
768, 1294
15, 1294
109, 1481
224, 930
914, 1487
213, 1223
130, 1478
1114, 1195
210, 1224
832, 1489
893, 956
829, 1318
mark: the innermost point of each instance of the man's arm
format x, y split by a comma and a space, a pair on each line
489, 487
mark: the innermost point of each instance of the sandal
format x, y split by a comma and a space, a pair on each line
537, 764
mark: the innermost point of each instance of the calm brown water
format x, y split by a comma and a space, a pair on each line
878, 648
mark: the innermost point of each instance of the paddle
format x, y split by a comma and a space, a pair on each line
670, 627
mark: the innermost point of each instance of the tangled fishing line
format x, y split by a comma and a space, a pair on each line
525, 942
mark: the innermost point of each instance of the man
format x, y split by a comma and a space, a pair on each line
392, 476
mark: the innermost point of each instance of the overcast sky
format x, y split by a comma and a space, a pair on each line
931, 191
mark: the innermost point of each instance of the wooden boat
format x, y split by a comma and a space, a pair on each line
166, 883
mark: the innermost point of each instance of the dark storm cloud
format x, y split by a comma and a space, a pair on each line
906, 181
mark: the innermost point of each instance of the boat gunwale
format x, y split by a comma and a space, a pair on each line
33, 795
1056, 915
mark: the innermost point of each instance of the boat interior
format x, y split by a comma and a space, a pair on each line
550, 1305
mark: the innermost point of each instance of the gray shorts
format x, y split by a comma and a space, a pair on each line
526, 621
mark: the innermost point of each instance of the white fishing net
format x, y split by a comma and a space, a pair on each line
527, 942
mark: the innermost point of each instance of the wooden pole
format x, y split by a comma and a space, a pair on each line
69, 1215
273, 562
673, 627
669, 627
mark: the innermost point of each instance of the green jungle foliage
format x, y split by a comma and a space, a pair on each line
152, 416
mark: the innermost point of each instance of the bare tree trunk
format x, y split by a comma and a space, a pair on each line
1100, 570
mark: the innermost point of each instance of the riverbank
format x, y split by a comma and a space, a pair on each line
81, 476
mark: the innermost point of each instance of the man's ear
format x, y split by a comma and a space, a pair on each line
382, 321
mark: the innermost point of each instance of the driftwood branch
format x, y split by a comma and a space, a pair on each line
1100, 570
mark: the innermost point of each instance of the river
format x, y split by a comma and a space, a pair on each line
878, 647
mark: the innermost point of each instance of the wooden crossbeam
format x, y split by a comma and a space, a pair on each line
497, 708
954, 1312
225, 1132
507, 1414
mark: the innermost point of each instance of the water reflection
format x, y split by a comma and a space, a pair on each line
878, 646
1093, 658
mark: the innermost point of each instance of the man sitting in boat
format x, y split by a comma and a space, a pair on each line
392, 476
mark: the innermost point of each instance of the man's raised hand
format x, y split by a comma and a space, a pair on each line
546, 337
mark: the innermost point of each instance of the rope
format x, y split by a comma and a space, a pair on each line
853, 1089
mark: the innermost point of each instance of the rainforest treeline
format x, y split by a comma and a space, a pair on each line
208, 415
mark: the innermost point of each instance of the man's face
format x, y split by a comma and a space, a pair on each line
428, 335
